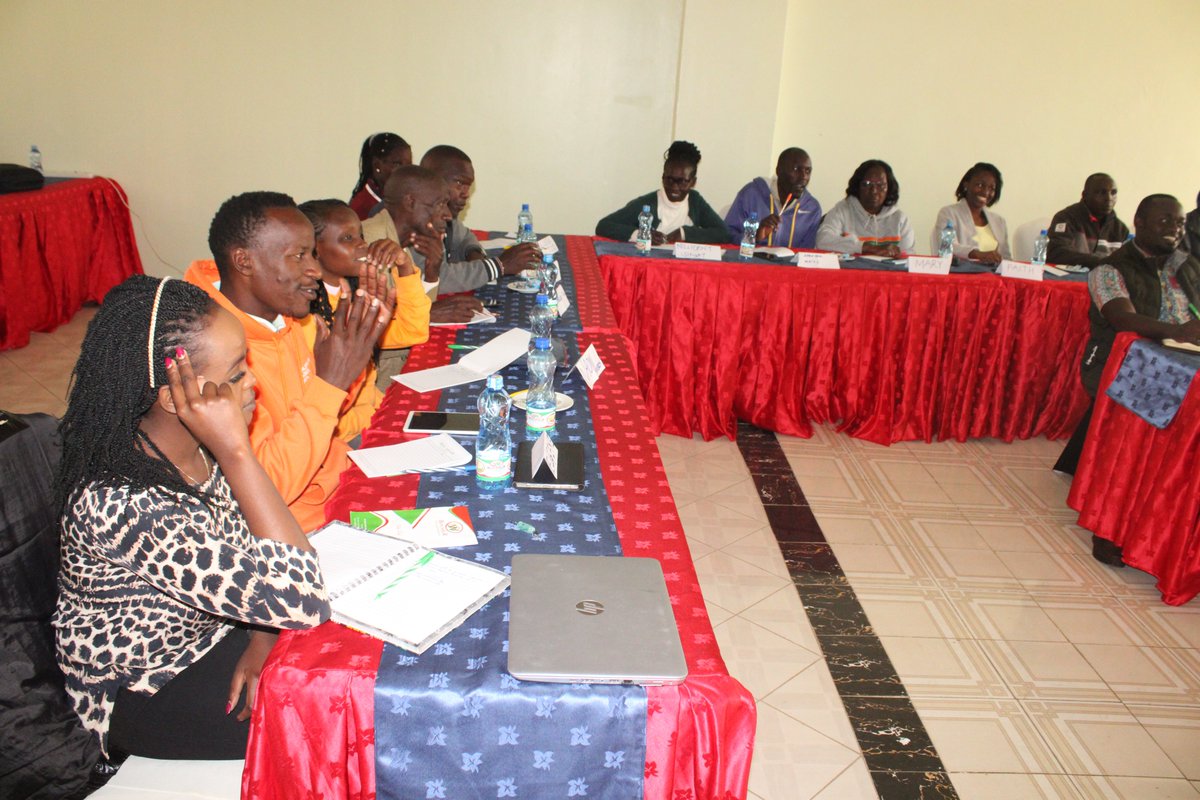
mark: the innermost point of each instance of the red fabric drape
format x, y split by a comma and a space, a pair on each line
887, 356
60, 247
313, 725
1139, 487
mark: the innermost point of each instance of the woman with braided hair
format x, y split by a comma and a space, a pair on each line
381, 269
680, 213
175, 544
381, 153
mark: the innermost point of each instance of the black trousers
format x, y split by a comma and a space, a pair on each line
1068, 462
185, 719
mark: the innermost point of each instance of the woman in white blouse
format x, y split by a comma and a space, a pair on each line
980, 234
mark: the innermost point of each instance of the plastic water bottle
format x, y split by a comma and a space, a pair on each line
539, 401
524, 221
493, 448
749, 236
35, 158
946, 240
541, 320
526, 234
1039, 250
645, 232
548, 273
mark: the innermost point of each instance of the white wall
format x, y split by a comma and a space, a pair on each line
570, 105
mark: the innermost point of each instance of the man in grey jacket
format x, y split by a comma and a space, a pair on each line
467, 267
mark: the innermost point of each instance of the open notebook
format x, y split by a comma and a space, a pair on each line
399, 591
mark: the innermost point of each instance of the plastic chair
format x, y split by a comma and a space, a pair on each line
1025, 235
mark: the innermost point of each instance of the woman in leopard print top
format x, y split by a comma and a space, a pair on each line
174, 540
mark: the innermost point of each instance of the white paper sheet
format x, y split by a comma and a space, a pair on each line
420, 455
477, 365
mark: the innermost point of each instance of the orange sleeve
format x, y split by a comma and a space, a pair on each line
292, 447
363, 400
410, 324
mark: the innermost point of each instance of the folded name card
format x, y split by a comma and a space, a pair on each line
818, 260
703, 252
1019, 269
929, 265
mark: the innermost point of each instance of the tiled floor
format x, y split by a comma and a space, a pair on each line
1037, 672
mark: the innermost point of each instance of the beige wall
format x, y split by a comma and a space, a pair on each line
570, 105
1047, 91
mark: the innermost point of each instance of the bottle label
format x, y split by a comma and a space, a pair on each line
643, 245
539, 419
494, 466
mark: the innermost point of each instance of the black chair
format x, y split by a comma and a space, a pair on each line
44, 751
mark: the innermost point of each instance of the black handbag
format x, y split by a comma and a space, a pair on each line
15, 178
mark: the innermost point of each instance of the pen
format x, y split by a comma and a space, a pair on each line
1195, 313
425, 559
463, 346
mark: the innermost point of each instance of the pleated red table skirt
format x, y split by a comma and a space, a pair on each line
60, 247
886, 356
1139, 487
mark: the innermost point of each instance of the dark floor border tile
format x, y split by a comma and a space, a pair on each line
896, 746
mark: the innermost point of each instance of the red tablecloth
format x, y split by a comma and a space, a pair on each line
60, 247
887, 356
1139, 486
313, 722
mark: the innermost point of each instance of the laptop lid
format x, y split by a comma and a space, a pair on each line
592, 619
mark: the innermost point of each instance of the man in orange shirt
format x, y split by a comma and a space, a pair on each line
265, 274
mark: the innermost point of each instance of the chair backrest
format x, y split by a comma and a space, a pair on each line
44, 749
1025, 235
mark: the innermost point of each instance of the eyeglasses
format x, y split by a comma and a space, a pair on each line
873, 184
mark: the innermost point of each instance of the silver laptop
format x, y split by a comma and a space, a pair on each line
592, 619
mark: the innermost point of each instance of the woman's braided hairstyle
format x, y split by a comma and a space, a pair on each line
116, 382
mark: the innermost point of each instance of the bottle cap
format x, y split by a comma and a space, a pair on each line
524, 206
1043, 232
495, 381
528, 227
547, 258
541, 343
542, 299
645, 209
754, 216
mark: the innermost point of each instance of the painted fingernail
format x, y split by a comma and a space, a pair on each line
229, 707
179, 352
170, 362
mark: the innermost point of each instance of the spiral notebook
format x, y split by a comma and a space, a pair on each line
399, 591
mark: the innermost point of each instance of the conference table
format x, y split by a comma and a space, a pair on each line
342, 715
885, 355
1137, 484
60, 247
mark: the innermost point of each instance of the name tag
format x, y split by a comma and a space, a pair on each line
547, 245
929, 265
1019, 269
818, 260
590, 366
701, 252
564, 303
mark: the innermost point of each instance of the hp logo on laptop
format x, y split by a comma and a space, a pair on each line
590, 607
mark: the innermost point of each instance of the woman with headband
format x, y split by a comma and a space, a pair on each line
176, 547
381, 153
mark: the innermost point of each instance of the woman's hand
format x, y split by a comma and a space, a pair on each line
991, 257
891, 250
378, 284
657, 237
212, 413
247, 671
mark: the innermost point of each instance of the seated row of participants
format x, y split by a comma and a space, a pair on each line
868, 220
209, 419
